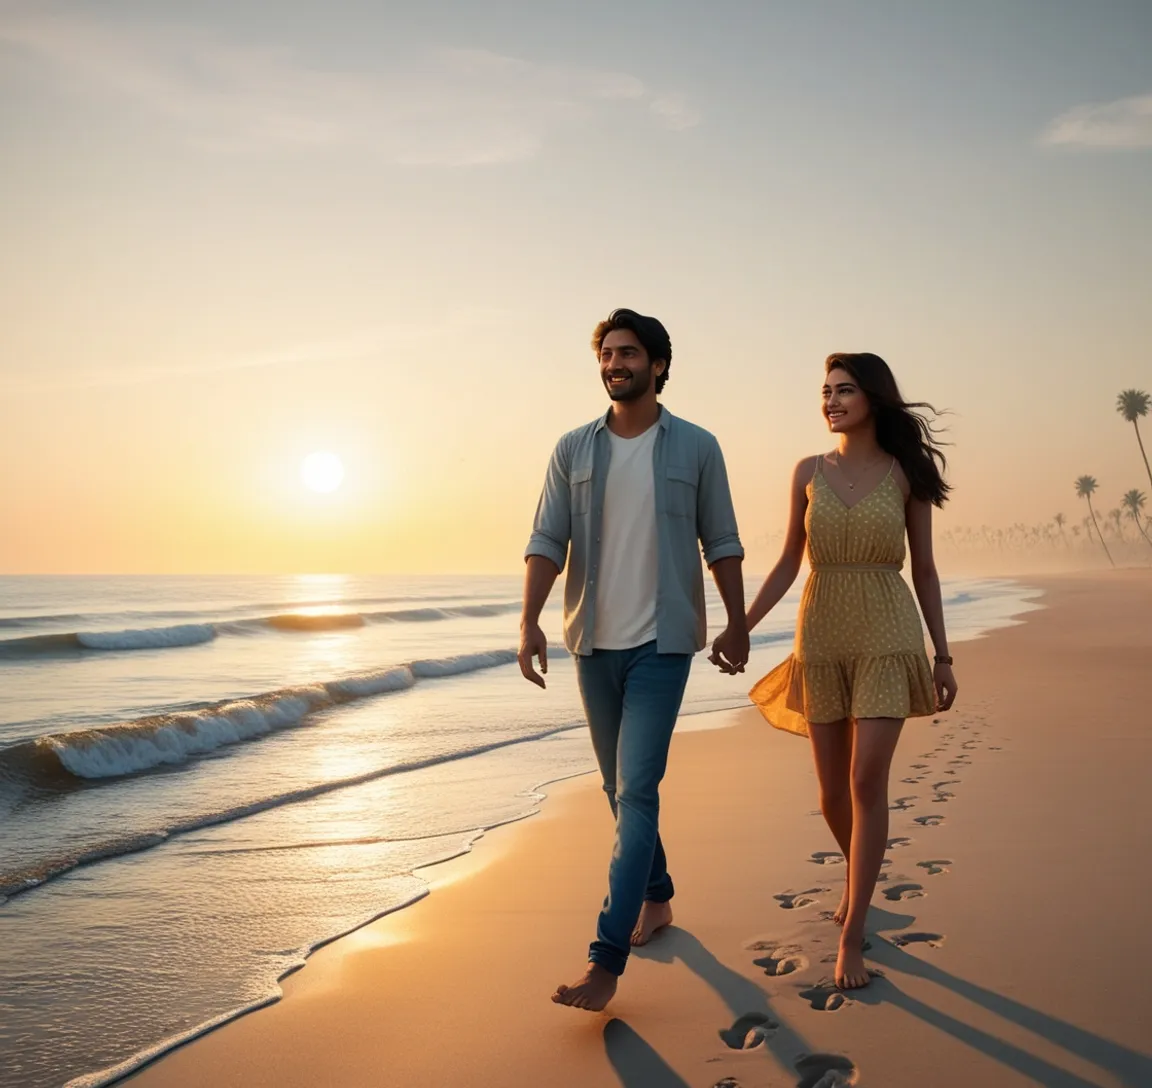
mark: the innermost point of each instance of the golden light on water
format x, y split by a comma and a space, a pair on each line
322, 471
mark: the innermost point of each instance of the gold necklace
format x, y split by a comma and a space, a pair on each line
852, 483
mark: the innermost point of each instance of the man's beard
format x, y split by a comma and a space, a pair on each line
634, 390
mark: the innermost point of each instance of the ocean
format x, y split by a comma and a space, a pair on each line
203, 779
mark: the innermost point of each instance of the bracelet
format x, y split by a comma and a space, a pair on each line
943, 659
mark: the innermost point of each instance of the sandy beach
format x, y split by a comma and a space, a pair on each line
1010, 932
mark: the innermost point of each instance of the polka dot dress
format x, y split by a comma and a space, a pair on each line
859, 644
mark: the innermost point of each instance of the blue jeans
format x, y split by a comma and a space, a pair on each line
631, 698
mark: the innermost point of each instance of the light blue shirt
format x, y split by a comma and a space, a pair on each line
693, 510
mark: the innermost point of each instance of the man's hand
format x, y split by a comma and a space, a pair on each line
730, 650
533, 644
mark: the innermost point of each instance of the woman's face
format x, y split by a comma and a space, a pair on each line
845, 405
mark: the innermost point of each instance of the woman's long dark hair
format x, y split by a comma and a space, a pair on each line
902, 429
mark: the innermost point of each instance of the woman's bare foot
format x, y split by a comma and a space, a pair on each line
851, 973
592, 992
653, 916
841, 912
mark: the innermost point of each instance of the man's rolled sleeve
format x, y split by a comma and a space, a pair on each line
552, 526
715, 516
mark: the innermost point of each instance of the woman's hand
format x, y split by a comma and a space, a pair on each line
945, 684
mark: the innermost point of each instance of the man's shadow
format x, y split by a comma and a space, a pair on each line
743, 997
636, 1063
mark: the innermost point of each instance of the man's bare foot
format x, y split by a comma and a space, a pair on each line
841, 912
851, 973
653, 916
592, 992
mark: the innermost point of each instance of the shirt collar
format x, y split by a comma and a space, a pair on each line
663, 420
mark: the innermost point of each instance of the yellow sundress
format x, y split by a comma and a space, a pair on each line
859, 649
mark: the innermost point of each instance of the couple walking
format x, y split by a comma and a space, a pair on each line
629, 502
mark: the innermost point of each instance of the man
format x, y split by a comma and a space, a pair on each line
626, 500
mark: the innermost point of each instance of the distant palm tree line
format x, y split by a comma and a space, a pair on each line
1133, 405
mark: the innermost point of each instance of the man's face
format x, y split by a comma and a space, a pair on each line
625, 368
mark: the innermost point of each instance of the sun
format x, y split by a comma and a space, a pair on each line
322, 471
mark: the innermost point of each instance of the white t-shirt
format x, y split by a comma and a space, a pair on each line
626, 581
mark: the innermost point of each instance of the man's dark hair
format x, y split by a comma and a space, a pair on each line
651, 334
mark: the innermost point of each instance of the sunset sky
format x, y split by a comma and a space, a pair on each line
235, 233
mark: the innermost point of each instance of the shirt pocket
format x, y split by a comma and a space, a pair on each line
580, 488
680, 490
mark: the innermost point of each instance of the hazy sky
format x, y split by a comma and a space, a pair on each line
236, 232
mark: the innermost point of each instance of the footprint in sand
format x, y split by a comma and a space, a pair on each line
932, 940
942, 797
903, 891
782, 961
827, 857
902, 804
960, 761
826, 1071
936, 866
919, 766
995, 748
749, 1031
911, 781
727, 1082
947, 782
929, 821
796, 900
825, 996
895, 844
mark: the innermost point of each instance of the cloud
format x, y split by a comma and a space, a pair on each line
1125, 123
448, 107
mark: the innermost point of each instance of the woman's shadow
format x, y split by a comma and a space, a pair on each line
744, 997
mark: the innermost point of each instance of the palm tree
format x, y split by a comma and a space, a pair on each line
1085, 485
1060, 519
1132, 404
1116, 515
1133, 502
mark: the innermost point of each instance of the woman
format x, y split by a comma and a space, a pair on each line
859, 667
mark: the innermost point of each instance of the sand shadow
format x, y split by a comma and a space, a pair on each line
743, 997
1129, 1066
636, 1064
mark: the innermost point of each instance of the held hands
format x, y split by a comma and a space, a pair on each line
730, 650
533, 644
945, 684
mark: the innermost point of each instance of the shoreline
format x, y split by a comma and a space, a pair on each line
692, 720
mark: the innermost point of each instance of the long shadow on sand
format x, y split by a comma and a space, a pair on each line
742, 996
1129, 1066
636, 1063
